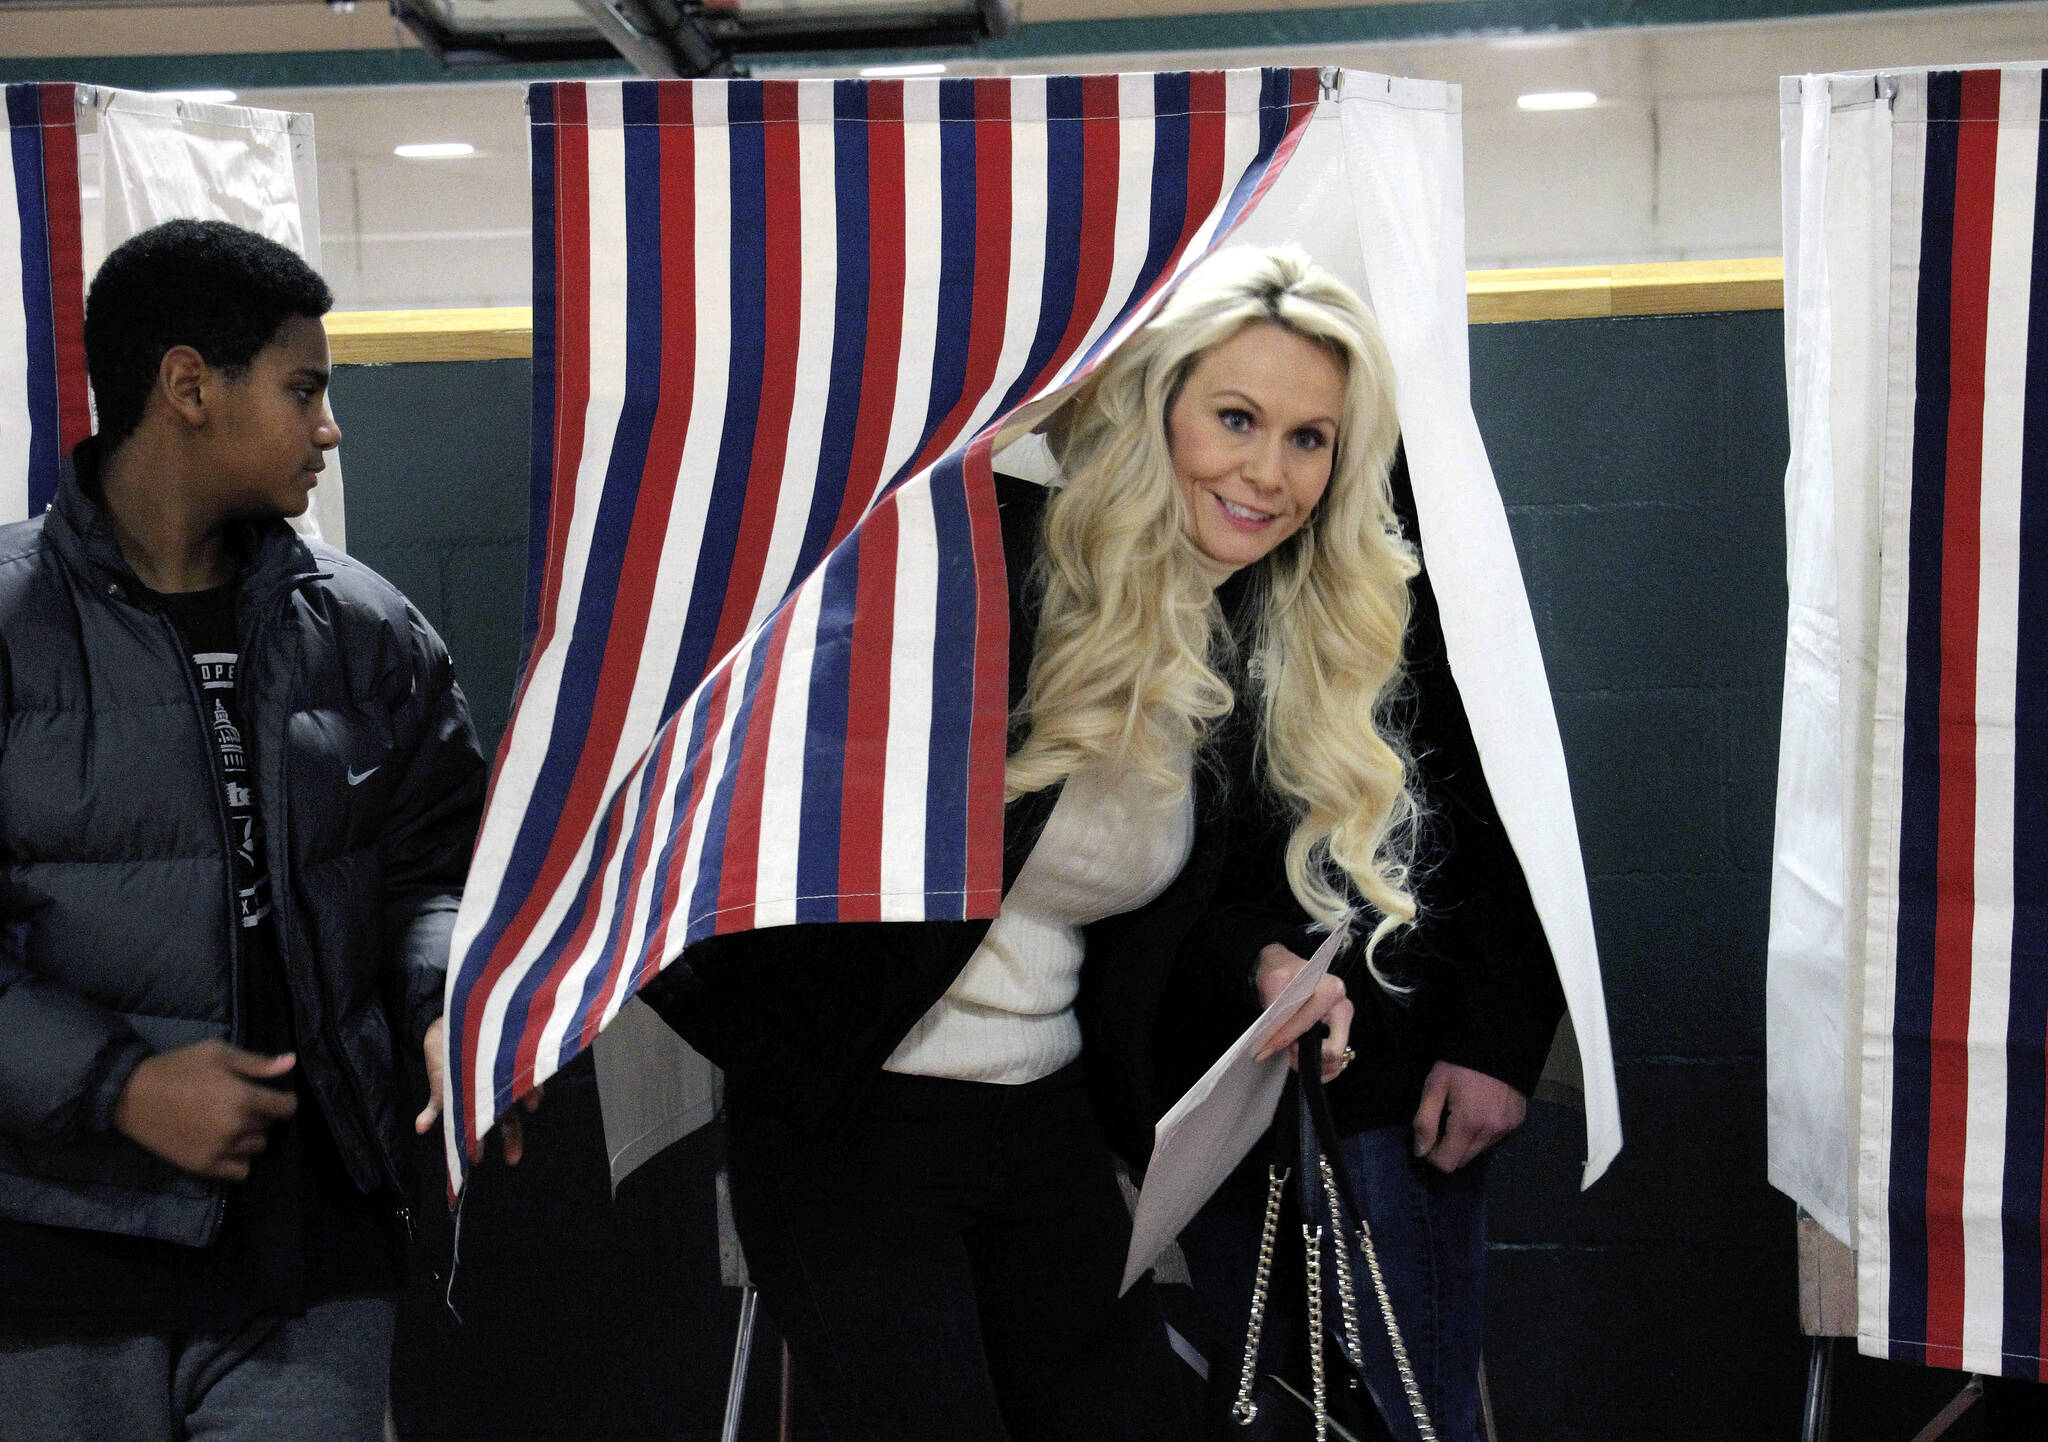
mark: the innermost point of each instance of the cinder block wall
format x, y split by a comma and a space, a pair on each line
1642, 464
433, 460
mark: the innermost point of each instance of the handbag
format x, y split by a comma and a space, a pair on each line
1304, 1141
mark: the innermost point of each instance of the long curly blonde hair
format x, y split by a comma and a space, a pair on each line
1130, 628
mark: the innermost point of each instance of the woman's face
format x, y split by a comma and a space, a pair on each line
1252, 435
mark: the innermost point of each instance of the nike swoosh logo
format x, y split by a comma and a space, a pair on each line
357, 778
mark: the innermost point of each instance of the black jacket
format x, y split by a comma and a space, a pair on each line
115, 935
801, 1018
1476, 984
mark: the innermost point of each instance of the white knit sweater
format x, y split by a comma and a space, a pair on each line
1110, 846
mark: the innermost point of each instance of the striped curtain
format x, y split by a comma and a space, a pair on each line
1909, 985
1955, 1098
43, 408
777, 328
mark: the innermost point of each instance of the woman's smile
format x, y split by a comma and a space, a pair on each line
1252, 434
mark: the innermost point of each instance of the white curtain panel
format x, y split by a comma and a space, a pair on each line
653, 1088
1376, 193
1836, 147
163, 158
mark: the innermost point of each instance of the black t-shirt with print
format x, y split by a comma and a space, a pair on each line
297, 1231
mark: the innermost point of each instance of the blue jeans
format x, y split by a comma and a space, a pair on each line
1429, 1230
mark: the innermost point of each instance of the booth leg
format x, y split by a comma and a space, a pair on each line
1949, 1415
1820, 1383
742, 1349
1486, 1427
788, 1395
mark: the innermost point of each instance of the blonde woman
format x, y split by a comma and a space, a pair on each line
1207, 617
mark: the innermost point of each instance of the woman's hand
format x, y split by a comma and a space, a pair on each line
511, 1130
434, 1050
1327, 1003
1464, 1112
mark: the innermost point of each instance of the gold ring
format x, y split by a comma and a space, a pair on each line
1345, 1058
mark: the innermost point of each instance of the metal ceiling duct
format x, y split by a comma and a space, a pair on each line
692, 37
764, 26
503, 32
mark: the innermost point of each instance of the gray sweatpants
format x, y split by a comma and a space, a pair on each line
323, 1377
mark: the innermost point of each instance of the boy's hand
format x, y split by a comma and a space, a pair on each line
205, 1108
510, 1129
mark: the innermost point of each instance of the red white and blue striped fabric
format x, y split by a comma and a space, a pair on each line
1955, 1098
43, 408
776, 327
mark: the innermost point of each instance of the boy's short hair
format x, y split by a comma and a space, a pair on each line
216, 287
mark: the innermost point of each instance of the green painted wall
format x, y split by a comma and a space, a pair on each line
433, 464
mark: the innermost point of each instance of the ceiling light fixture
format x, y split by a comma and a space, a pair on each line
435, 150
1558, 100
1536, 40
901, 72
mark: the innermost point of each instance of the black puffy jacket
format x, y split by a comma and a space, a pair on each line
114, 877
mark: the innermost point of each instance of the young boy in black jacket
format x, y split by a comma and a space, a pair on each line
238, 792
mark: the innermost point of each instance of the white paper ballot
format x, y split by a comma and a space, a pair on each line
1209, 1131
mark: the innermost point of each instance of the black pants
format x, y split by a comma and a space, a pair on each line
947, 1268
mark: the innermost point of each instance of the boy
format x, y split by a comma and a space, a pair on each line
238, 792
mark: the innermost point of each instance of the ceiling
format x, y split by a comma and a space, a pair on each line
1677, 160
243, 43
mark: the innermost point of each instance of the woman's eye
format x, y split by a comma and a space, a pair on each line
1234, 419
1310, 440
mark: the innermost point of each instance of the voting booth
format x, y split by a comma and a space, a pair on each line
781, 330
1908, 990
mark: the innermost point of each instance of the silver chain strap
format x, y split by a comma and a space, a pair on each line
1347, 1294
1313, 1242
1244, 1409
1379, 1287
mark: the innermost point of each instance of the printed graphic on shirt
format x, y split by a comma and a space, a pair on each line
252, 879
216, 670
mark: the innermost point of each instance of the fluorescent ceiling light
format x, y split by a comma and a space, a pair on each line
436, 150
1558, 100
204, 97
898, 72
1537, 40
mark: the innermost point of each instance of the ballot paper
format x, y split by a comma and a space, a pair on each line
1210, 1130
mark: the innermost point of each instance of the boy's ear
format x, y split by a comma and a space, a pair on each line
186, 381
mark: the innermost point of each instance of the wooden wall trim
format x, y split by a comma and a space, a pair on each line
1579, 291
373, 337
